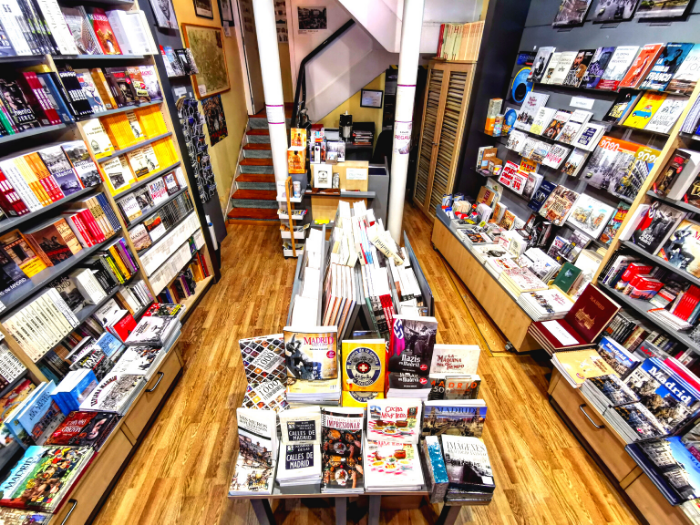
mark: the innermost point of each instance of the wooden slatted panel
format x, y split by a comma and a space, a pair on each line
429, 123
448, 138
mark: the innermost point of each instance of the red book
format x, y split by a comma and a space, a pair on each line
31, 99
123, 327
635, 269
442, 34
92, 225
103, 31
44, 102
79, 229
680, 369
12, 197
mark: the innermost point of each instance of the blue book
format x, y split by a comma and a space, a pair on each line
541, 195
55, 97
12, 421
41, 415
618, 357
79, 392
110, 345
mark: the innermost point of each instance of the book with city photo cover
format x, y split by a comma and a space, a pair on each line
468, 465
311, 353
454, 417
613, 10
668, 9
264, 358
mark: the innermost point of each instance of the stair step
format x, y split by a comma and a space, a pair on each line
256, 177
256, 162
254, 203
258, 132
260, 147
270, 186
258, 136
288, 107
265, 195
262, 166
257, 151
252, 213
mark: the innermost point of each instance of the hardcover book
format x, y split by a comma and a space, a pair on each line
656, 226
84, 429
264, 358
114, 394
613, 389
342, 449
666, 66
412, 344
392, 465
364, 366
267, 395
617, 67
455, 359
597, 67
394, 420
468, 465
590, 215
311, 353
571, 12
457, 418
682, 249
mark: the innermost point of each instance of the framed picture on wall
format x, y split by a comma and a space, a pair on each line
226, 11
207, 46
164, 13
371, 98
203, 8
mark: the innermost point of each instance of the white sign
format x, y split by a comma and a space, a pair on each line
581, 102
402, 137
356, 174
275, 114
561, 335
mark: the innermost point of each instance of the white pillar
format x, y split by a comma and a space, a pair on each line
411, 27
266, 28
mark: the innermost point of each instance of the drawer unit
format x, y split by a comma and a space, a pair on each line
651, 503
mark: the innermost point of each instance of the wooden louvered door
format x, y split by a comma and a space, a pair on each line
446, 103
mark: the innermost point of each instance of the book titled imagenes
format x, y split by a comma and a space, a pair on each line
311, 353
468, 465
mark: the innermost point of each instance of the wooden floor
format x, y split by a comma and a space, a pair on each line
180, 474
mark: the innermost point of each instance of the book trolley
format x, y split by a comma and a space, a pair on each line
643, 489
168, 255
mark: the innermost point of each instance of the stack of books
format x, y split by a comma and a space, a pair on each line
453, 365
488, 251
84, 429
153, 331
545, 305
578, 365
35, 418
300, 450
468, 470
141, 201
74, 388
543, 266
342, 445
460, 41
607, 391
496, 265
362, 137
521, 280
257, 455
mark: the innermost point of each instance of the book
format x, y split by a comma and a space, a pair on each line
152, 331
682, 249
364, 366
666, 66
611, 158
617, 67
578, 366
84, 429
625, 102
266, 395
597, 67
556, 124
411, 345
578, 69
642, 65
342, 450
683, 82
82, 164
391, 466
575, 162
571, 12
394, 420
60, 168
556, 156
559, 67
590, 215
299, 465
115, 393
539, 64
311, 353
455, 417
543, 118
541, 195
251, 477
529, 109
43, 476
662, 10
614, 224
103, 31
264, 358
667, 115
588, 136
455, 359
301, 426
657, 224
467, 462
558, 205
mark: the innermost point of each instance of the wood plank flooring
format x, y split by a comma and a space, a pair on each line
180, 474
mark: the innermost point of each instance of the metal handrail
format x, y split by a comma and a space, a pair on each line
300, 102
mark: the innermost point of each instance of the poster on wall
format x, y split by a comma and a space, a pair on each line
662, 8
281, 22
203, 8
164, 13
312, 19
216, 120
207, 45
226, 11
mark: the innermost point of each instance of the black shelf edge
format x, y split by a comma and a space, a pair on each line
677, 204
99, 57
642, 307
344, 194
32, 132
142, 253
143, 182
14, 222
136, 146
658, 260
25, 291
122, 109
150, 212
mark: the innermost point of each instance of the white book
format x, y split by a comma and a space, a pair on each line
557, 74
529, 110
634, 222
59, 29
667, 115
542, 120
556, 156
384, 460
590, 215
455, 359
301, 426
551, 67
299, 463
617, 67
97, 138
13, 21
575, 162
581, 116
394, 420
687, 176
589, 136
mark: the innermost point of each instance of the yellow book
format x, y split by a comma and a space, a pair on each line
645, 109
364, 365
165, 152
21, 252
119, 130
32, 180
151, 120
117, 259
100, 81
359, 399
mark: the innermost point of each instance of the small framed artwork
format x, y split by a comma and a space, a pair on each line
203, 8
323, 175
226, 11
371, 98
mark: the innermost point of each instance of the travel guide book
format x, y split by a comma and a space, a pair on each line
394, 420
454, 417
392, 466
468, 465
301, 426
266, 395
342, 450
311, 353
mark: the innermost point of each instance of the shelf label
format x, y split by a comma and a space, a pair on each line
581, 102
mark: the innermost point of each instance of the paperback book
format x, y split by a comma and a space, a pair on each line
311, 353
394, 420
364, 365
264, 358
266, 395
342, 450
412, 344
467, 462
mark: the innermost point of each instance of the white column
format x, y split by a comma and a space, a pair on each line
411, 27
266, 29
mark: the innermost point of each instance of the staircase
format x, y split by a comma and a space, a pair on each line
253, 193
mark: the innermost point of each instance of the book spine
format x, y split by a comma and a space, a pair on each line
79, 229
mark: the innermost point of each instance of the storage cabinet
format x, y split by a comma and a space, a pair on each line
444, 112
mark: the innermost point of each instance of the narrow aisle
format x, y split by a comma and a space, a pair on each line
180, 473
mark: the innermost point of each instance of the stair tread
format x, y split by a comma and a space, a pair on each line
258, 146
252, 213
256, 162
256, 177
258, 132
265, 195
288, 107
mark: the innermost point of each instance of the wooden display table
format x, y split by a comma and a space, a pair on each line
492, 296
263, 510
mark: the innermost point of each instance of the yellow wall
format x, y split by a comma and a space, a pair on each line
359, 114
224, 155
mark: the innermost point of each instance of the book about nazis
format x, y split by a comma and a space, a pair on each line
412, 344
342, 450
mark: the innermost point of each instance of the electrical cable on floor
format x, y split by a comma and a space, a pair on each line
466, 306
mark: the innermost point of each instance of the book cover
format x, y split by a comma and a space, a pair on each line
311, 353
257, 435
543, 118
667, 115
662, 9
555, 157
590, 215
267, 395
611, 158
467, 462
643, 64
251, 478
59, 166
614, 224
656, 226
614, 389
666, 66
80, 28
364, 365
539, 64
626, 100
558, 205
617, 356
541, 195
575, 162
82, 164
114, 393
301, 426
84, 429
16, 246
455, 359
411, 345
342, 449
456, 418
89, 88
394, 420
578, 69
359, 399
557, 123
529, 109
597, 67
103, 30
264, 358
682, 249
591, 313
559, 67
683, 82
298, 464
571, 12
617, 67
391, 464
152, 331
